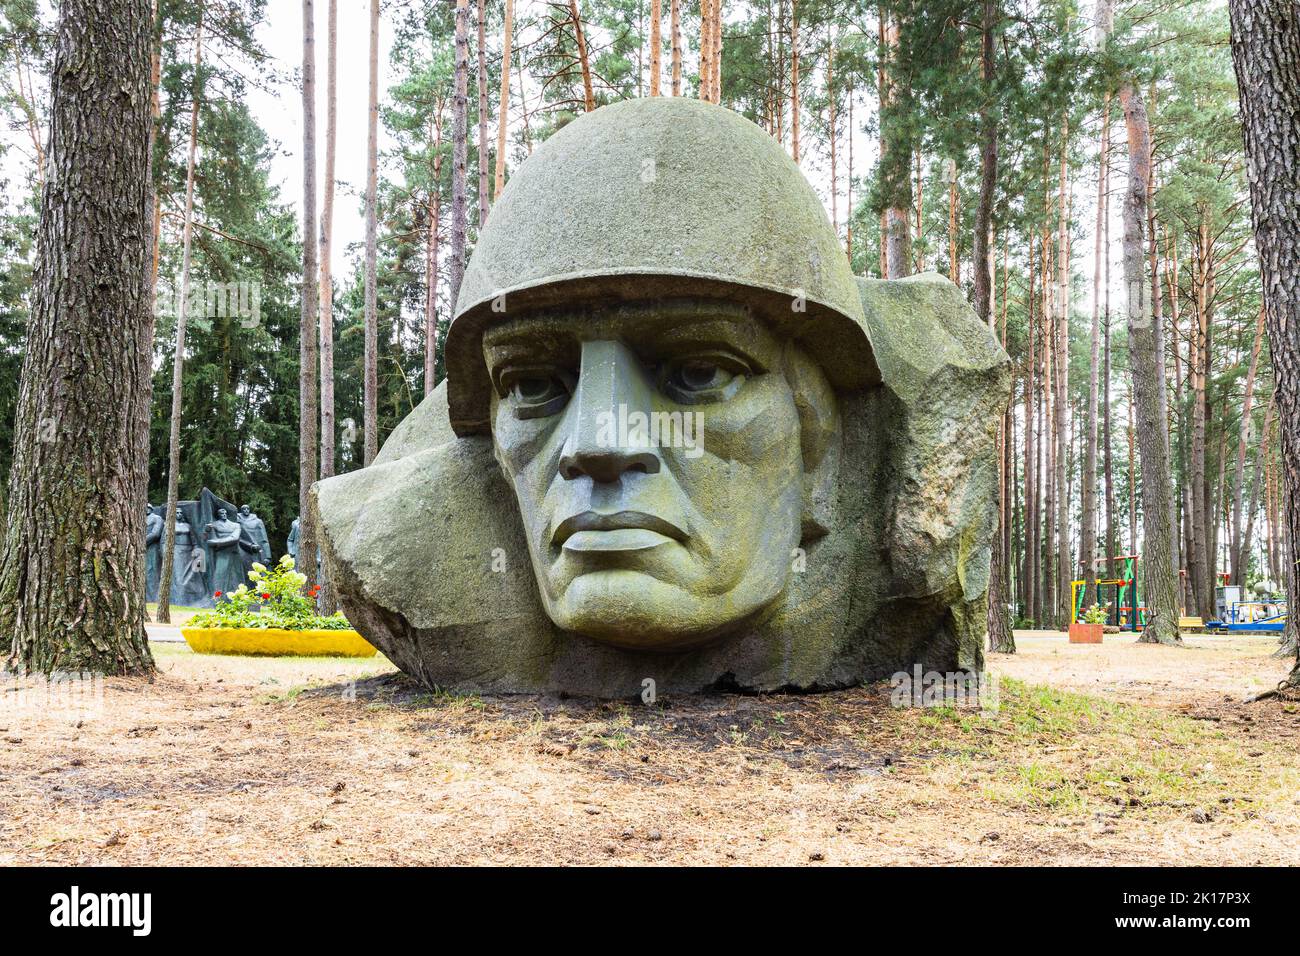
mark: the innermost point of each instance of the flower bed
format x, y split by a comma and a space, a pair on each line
274, 617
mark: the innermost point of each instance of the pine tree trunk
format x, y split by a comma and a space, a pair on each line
327, 604
308, 329
716, 84
72, 571
1239, 558
1266, 53
656, 45
706, 50
1145, 341
1064, 566
589, 97
431, 248
482, 116
999, 624
460, 149
370, 413
503, 115
168, 569
675, 7
1088, 533
895, 159
794, 79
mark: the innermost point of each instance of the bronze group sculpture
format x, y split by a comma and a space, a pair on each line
678, 440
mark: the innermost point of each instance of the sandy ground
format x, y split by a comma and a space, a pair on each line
1109, 755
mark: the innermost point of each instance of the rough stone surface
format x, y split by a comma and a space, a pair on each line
649, 198
429, 560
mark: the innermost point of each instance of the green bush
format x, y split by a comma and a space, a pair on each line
276, 599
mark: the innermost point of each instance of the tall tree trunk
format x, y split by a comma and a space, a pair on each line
1088, 533
999, 623
460, 148
1239, 558
831, 131
503, 115
706, 50
1064, 566
1266, 53
1146, 342
675, 15
431, 252
482, 115
895, 164
327, 604
954, 225
716, 85
589, 97
72, 571
656, 45
168, 570
308, 394
794, 79
370, 412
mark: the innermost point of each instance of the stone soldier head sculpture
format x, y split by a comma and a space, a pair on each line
678, 440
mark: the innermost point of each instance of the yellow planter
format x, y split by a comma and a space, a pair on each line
276, 642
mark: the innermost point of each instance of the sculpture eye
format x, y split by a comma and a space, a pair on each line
538, 393
702, 378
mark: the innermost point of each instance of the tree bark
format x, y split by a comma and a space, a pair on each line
1145, 341
1064, 566
1088, 533
1266, 53
431, 253
370, 413
794, 79
72, 571
1239, 558
656, 44
326, 598
503, 115
308, 329
895, 162
482, 115
168, 570
706, 51
460, 149
675, 7
589, 97
999, 624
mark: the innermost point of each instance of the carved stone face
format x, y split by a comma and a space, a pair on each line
655, 453
245, 510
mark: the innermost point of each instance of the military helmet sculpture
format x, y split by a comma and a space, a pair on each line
828, 520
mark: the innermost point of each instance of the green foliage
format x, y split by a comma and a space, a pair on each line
1094, 615
276, 600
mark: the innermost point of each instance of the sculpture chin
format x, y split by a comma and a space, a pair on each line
632, 610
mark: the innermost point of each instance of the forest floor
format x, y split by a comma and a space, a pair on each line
1109, 754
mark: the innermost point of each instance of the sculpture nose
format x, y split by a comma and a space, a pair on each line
602, 443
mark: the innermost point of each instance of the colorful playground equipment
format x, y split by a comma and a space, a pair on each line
1117, 592
1237, 613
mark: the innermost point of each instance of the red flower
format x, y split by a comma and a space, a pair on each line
217, 594
266, 597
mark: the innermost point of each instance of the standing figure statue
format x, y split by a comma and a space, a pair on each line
153, 531
255, 532
189, 567
225, 558
292, 544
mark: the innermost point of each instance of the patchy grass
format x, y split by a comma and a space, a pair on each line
304, 761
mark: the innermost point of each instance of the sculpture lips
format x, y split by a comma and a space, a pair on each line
619, 521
